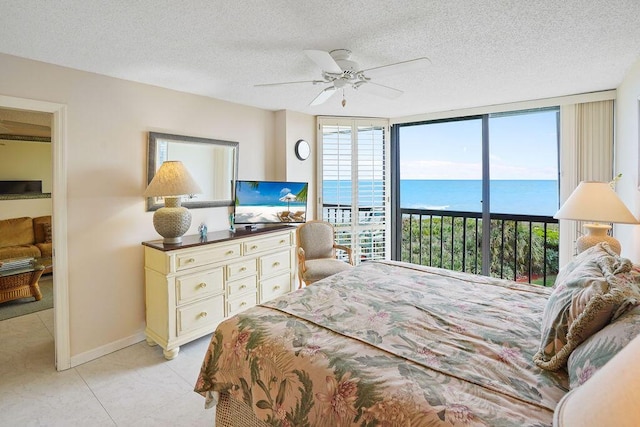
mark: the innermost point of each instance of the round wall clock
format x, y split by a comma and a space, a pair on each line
302, 149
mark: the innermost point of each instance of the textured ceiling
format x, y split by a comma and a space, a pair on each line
481, 52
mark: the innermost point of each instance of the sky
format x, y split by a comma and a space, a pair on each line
522, 146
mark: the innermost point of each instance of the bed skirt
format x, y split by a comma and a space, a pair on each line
231, 413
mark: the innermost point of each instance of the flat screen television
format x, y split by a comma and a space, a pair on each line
270, 202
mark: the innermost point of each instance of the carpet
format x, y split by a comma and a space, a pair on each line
22, 306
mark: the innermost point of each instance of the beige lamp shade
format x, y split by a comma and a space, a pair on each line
172, 181
596, 202
609, 398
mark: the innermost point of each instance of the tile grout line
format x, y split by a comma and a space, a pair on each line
95, 396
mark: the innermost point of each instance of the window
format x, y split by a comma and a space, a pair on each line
354, 184
478, 193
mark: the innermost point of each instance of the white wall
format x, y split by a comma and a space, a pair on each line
626, 158
108, 120
301, 126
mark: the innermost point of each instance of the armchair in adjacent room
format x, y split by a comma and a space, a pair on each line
316, 249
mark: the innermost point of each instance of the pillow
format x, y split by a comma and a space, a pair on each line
47, 232
586, 296
597, 350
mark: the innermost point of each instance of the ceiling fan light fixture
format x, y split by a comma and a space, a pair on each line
339, 71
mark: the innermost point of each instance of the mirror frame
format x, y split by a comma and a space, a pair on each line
152, 202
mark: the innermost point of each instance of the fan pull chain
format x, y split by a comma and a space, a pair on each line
344, 101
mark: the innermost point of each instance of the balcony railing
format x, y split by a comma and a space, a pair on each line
524, 248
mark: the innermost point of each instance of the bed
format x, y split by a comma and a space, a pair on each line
387, 344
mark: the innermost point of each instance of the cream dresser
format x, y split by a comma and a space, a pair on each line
192, 286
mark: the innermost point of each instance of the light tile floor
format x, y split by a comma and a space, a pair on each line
135, 386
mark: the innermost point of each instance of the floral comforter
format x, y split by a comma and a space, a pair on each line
389, 344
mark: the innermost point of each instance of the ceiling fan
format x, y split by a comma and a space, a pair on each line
339, 71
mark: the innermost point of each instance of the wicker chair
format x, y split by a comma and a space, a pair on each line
317, 252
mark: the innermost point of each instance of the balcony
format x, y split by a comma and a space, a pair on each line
523, 248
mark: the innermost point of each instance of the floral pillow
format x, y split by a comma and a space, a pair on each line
597, 350
587, 295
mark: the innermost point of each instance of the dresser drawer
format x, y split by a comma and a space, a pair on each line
200, 315
241, 269
274, 287
273, 264
198, 258
242, 303
199, 285
242, 286
270, 243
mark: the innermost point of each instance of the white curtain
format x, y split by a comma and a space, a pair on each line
586, 154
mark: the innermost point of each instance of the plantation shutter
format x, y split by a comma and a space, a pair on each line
354, 182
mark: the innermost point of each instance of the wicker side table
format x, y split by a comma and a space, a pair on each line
22, 283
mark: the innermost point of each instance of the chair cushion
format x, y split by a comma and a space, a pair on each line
16, 231
318, 269
46, 249
19, 251
317, 240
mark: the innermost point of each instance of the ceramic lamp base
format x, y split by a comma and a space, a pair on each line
597, 233
172, 220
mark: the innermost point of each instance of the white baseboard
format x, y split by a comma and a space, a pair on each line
106, 349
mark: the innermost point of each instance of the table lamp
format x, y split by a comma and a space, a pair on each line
596, 202
172, 181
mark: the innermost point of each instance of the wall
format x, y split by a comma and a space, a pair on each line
300, 126
26, 160
107, 124
627, 158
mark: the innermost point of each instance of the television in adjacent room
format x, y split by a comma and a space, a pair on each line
270, 202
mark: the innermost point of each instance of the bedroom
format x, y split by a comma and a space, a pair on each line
107, 120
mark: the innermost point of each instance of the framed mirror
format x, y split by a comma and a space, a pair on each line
213, 163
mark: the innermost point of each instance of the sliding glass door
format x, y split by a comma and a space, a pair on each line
478, 193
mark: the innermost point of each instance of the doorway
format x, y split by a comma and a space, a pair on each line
59, 219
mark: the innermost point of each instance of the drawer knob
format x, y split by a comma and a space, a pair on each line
190, 260
282, 241
229, 252
242, 304
254, 247
276, 287
203, 285
203, 314
243, 269
243, 287
275, 264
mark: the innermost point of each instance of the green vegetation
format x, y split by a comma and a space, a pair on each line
455, 244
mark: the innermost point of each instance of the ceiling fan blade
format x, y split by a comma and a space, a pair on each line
398, 67
315, 82
323, 60
324, 95
380, 90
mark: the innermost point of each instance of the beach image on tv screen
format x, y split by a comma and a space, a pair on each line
263, 202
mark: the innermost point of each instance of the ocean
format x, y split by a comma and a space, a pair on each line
526, 197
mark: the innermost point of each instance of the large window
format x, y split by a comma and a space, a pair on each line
354, 181
478, 193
